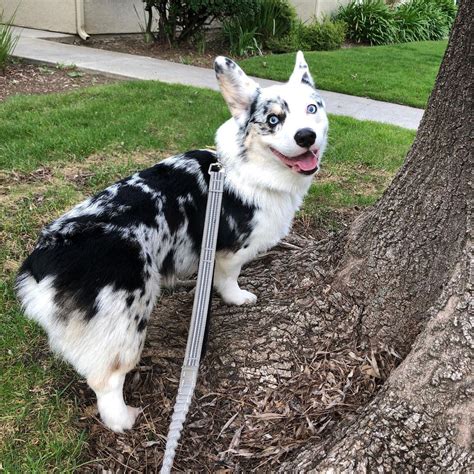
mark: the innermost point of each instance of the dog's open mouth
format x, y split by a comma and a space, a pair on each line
306, 163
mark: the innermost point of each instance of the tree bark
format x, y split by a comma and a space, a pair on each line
422, 419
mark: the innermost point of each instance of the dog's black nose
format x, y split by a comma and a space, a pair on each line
305, 137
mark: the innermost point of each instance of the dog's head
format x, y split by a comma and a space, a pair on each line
282, 127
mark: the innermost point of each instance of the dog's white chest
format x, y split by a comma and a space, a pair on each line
272, 221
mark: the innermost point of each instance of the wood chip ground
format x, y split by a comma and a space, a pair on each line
276, 375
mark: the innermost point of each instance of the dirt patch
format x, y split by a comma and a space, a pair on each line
23, 78
13, 178
277, 375
15, 184
195, 55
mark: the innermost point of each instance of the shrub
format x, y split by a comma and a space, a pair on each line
241, 42
267, 20
8, 40
412, 25
449, 10
288, 43
438, 22
425, 19
370, 21
317, 36
323, 35
272, 18
180, 20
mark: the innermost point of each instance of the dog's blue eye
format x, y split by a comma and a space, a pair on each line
311, 109
273, 120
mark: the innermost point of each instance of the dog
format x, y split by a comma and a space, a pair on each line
94, 276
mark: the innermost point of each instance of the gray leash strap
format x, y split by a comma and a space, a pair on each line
192, 357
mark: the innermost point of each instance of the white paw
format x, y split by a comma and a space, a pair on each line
124, 420
239, 298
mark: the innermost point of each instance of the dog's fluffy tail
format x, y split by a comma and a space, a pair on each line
37, 298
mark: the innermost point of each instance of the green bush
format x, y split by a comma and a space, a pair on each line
323, 35
272, 18
317, 36
438, 23
370, 21
241, 42
288, 43
8, 40
425, 19
249, 31
449, 10
412, 25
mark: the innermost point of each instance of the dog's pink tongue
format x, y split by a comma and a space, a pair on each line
307, 161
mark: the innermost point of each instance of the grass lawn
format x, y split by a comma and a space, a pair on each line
401, 73
56, 150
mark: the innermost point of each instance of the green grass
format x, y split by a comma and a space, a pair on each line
129, 115
56, 150
400, 73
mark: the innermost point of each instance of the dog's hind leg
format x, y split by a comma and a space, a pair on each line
112, 408
118, 351
114, 344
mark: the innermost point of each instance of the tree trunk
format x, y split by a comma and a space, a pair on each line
163, 33
149, 21
422, 419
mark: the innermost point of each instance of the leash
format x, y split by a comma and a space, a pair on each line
189, 370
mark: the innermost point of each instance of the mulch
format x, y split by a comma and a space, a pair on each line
24, 78
278, 375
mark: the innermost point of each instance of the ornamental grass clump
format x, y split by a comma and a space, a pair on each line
420, 20
374, 22
8, 40
370, 21
412, 25
250, 31
317, 35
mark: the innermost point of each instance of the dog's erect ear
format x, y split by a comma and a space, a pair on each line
301, 71
237, 88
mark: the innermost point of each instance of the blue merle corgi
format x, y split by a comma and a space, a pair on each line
95, 274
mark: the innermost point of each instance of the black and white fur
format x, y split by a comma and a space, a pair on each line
95, 274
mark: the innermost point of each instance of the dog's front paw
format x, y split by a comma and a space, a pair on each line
240, 297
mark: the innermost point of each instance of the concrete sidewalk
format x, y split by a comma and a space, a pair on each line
34, 46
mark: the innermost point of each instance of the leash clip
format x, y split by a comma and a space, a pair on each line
216, 167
